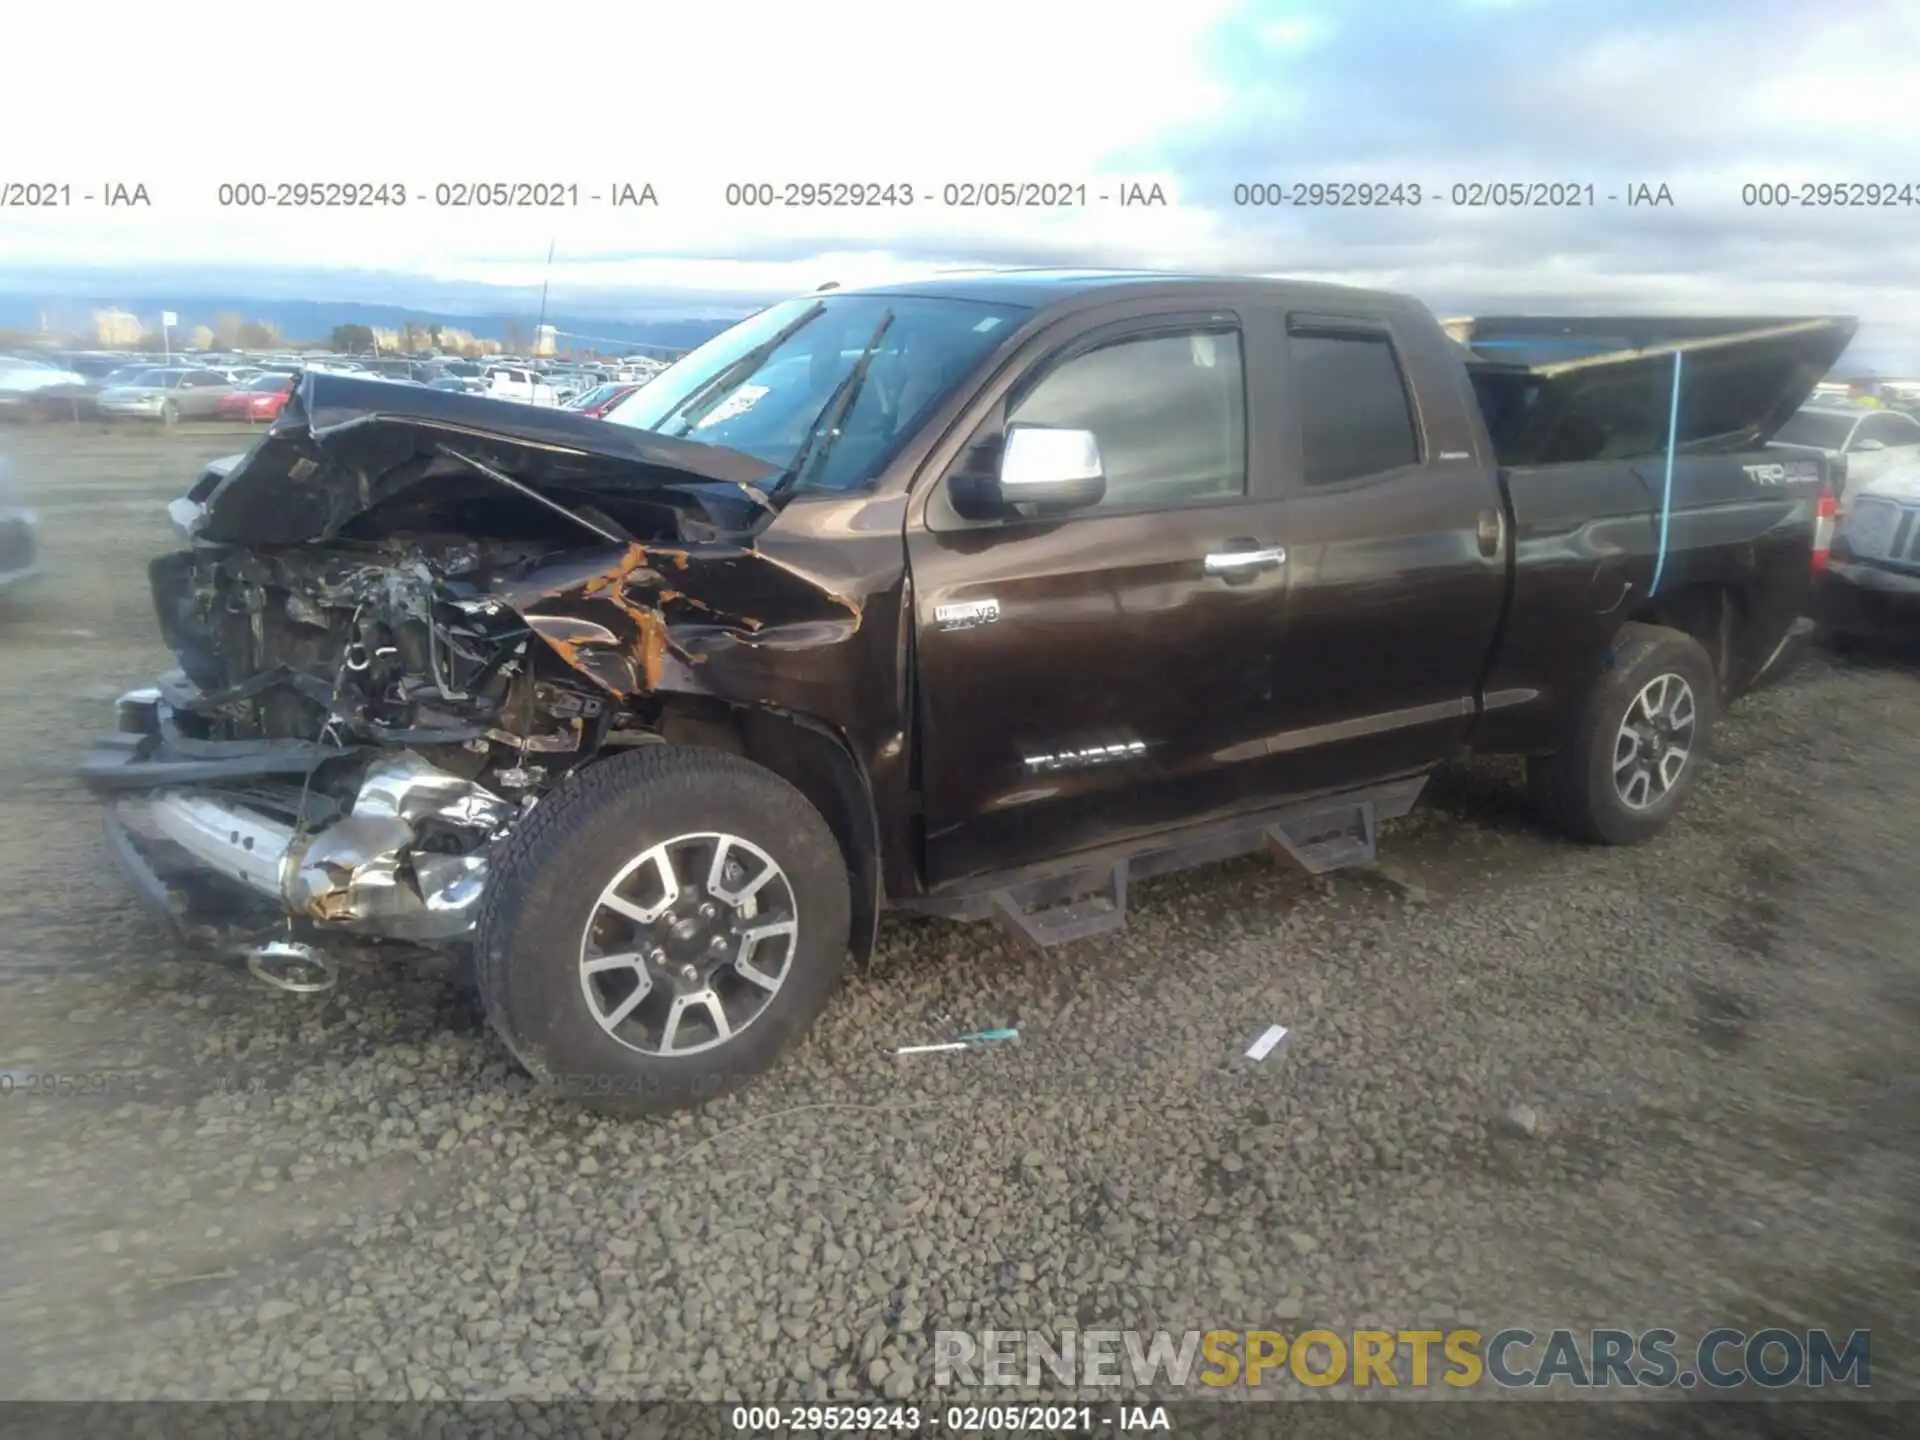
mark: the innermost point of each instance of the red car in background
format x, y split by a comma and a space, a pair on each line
259, 399
599, 400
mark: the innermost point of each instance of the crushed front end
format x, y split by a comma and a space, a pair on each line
395, 634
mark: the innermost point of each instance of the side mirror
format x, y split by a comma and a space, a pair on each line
1051, 470
1867, 447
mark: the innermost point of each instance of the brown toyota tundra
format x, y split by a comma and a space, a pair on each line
982, 598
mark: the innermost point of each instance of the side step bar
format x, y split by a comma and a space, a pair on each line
1329, 839
1096, 912
1331, 835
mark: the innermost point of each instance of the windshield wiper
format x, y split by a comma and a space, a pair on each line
694, 408
826, 426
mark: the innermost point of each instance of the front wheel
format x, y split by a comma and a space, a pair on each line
660, 928
169, 414
1637, 742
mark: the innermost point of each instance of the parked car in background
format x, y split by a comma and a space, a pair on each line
513, 382
1862, 443
567, 384
95, 365
1872, 582
168, 396
259, 399
131, 374
30, 385
459, 385
387, 369
33, 388
602, 398
19, 532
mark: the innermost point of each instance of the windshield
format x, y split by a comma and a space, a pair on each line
1823, 432
270, 383
766, 384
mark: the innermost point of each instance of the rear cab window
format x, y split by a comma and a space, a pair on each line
1355, 408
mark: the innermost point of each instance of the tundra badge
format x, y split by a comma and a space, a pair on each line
1092, 755
966, 614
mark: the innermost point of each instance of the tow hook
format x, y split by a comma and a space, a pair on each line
294, 967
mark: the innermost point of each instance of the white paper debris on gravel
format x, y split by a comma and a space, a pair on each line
1270, 1040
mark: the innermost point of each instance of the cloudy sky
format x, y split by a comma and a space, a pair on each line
1703, 96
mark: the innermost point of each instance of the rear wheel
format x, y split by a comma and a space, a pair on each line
661, 928
1637, 743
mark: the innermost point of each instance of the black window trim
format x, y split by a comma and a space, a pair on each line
1121, 332
1320, 325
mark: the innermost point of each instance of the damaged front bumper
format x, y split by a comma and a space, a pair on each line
214, 834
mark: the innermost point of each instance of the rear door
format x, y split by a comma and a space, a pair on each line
1395, 533
1086, 679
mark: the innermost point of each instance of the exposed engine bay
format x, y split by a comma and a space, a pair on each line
399, 644
395, 633
410, 713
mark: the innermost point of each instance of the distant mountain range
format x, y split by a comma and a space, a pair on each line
315, 319
308, 305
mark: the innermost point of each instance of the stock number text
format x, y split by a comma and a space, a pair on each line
310, 194
1316, 194
1838, 194
824, 194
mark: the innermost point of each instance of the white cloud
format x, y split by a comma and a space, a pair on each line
687, 98
1195, 95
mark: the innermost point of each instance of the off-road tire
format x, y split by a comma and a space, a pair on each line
1573, 790
544, 879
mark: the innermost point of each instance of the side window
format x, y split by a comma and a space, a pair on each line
1355, 415
1168, 412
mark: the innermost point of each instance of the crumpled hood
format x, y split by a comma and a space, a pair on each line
344, 444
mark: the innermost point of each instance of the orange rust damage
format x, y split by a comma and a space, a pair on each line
649, 621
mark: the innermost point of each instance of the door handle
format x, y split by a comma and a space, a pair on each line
1490, 531
1241, 562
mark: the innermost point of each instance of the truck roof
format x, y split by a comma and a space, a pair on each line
1039, 288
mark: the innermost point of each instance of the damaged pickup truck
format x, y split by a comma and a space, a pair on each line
980, 598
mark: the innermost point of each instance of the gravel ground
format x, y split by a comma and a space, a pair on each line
1529, 1083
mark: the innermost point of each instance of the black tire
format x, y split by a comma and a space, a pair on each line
1574, 790
545, 882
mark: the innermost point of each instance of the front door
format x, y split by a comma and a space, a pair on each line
1089, 678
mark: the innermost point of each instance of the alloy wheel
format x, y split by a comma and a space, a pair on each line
1654, 742
688, 944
